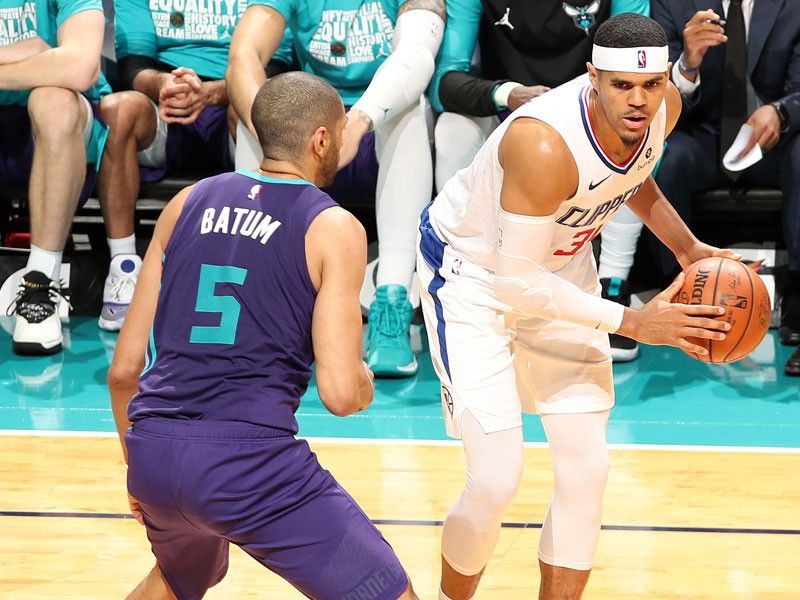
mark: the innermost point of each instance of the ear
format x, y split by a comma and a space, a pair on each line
321, 142
592, 75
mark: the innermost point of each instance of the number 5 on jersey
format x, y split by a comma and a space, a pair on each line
209, 302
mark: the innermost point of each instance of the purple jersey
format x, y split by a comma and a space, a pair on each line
231, 339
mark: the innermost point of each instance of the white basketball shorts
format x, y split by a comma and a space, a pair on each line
496, 364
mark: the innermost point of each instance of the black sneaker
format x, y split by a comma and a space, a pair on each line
37, 330
623, 349
792, 367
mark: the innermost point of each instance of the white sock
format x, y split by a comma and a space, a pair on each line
618, 244
44, 261
126, 245
443, 596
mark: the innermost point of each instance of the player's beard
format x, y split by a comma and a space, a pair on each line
630, 140
329, 167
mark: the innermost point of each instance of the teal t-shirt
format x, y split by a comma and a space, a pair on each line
23, 19
635, 6
458, 44
342, 41
461, 35
181, 33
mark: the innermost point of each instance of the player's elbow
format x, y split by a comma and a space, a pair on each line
343, 393
84, 76
340, 400
506, 290
235, 61
122, 375
523, 297
241, 66
342, 407
420, 64
245, 57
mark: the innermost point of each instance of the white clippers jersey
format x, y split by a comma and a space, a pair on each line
465, 213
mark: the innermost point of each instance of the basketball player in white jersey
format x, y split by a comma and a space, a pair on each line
512, 300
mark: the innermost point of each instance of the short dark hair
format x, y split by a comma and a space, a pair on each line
289, 108
630, 30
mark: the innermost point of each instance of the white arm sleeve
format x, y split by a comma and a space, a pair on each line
522, 282
404, 75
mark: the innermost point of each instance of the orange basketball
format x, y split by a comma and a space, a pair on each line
736, 287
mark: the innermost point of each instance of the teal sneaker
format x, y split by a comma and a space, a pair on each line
388, 345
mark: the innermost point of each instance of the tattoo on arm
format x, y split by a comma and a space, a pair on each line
435, 6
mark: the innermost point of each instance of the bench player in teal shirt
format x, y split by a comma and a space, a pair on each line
172, 54
379, 55
50, 83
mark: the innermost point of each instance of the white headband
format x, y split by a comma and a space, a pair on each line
650, 59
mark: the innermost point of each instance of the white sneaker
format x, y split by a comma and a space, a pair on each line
118, 290
37, 330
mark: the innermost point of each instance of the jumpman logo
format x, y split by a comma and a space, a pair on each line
504, 19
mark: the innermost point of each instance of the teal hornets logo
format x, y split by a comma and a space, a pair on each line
582, 16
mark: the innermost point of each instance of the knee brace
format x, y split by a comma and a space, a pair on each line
494, 471
581, 463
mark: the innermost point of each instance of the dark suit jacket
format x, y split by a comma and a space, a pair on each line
773, 57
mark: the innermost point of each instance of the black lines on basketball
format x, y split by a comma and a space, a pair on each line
713, 300
740, 291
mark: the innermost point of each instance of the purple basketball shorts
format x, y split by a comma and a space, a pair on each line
203, 485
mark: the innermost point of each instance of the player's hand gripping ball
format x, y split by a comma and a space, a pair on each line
734, 286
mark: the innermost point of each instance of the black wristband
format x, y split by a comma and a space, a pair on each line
783, 114
468, 95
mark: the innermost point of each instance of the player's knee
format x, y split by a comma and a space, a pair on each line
123, 111
56, 113
493, 490
584, 477
473, 526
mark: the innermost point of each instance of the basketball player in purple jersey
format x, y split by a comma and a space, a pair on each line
251, 277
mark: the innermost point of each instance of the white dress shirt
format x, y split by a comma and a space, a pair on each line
688, 87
